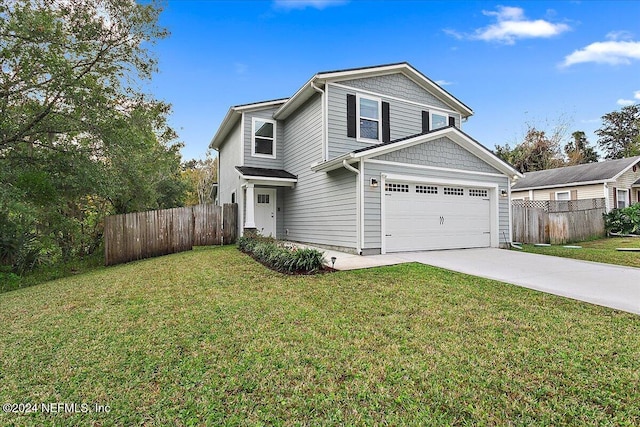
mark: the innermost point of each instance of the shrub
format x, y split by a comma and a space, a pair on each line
623, 221
282, 257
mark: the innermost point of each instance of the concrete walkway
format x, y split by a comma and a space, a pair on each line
603, 284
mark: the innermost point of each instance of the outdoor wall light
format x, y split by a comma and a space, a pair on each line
373, 182
503, 193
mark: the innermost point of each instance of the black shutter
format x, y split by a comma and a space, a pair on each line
452, 121
386, 129
351, 116
425, 121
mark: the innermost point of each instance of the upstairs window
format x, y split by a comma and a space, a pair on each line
369, 112
439, 120
263, 138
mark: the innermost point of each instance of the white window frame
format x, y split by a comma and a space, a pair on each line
439, 113
567, 192
253, 138
358, 118
626, 198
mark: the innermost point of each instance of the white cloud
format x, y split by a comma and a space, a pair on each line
619, 35
512, 25
445, 83
624, 102
609, 52
636, 94
303, 4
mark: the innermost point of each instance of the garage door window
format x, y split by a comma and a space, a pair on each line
397, 188
478, 193
451, 191
426, 189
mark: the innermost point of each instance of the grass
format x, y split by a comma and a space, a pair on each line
602, 250
211, 337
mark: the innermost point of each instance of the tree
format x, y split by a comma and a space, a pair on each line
78, 139
67, 64
202, 175
619, 136
535, 152
579, 151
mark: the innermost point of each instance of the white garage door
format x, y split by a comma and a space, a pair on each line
424, 216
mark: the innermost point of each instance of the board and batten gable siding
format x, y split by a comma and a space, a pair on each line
230, 157
405, 118
592, 191
262, 162
321, 208
372, 214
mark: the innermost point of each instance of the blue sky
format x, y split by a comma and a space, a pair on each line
513, 63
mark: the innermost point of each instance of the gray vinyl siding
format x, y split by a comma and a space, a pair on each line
321, 208
397, 85
280, 191
261, 162
405, 119
229, 157
459, 160
441, 152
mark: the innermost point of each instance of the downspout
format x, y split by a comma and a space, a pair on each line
322, 134
347, 166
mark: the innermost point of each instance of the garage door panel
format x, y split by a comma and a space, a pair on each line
450, 217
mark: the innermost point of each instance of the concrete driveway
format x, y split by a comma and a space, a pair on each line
603, 284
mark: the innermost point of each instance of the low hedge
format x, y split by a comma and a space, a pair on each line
282, 257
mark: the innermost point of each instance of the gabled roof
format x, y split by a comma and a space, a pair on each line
234, 114
589, 173
321, 78
451, 132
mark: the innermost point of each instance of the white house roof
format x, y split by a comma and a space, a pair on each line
451, 132
321, 78
589, 173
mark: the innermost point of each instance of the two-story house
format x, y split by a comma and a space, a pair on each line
368, 160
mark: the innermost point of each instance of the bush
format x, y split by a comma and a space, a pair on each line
281, 257
623, 221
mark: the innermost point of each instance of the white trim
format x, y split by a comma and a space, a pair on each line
607, 204
359, 118
253, 138
250, 221
268, 178
568, 192
242, 132
325, 124
493, 187
394, 98
259, 105
433, 168
383, 213
531, 193
361, 205
510, 216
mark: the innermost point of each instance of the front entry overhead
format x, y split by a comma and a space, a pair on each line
423, 216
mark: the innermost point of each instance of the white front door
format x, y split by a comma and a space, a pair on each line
265, 211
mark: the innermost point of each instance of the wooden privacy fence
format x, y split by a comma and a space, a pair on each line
557, 222
139, 235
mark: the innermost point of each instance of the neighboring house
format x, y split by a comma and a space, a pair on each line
367, 160
617, 181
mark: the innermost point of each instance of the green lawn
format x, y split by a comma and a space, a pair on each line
603, 250
211, 337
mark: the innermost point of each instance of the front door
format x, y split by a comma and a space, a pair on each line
265, 211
